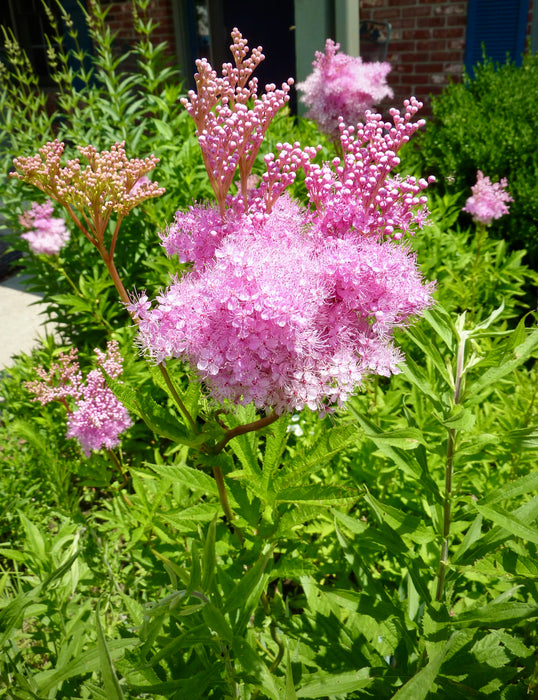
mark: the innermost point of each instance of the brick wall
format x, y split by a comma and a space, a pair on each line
427, 44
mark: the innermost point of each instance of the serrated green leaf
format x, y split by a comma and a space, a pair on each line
335, 684
194, 479
508, 522
330, 443
196, 513
496, 615
317, 495
511, 489
158, 419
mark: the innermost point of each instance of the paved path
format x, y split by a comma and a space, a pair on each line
20, 321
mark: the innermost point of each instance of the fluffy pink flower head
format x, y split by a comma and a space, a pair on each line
96, 418
342, 86
46, 234
488, 201
283, 316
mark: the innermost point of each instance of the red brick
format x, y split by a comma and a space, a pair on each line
428, 67
422, 10
389, 14
441, 56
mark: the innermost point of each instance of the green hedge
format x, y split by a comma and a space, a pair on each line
490, 123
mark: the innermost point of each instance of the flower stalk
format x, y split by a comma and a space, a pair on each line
449, 470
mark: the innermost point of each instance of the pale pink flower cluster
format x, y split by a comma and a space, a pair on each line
108, 182
488, 201
342, 86
46, 234
96, 418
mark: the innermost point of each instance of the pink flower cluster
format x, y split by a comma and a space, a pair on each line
46, 234
288, 306
488, 201
98, 417
342, 86
285, 316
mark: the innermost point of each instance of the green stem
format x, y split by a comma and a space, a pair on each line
223, 497
481, 238
449, 473
274, 636
118, 464
179, 403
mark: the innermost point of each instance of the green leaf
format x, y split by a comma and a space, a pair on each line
246, 595
290, 686
418, 687
471, 536
110, 680
255, 667
196, 513
209, 561
496, 615
460, 418
317, 495
511, 489
87, 662
404, 461
216, 621
275, 445
513, 358
335, 684
158, 419
329, 444
526, 438
441, 322
526, 514
195, 479
508, 522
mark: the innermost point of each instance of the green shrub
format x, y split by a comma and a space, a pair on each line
489, 123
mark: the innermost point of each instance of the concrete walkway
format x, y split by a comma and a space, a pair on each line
21, 324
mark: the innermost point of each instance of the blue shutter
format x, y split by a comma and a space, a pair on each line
499, 25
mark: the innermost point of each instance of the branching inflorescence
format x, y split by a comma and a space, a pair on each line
109, 183
288, 305
230, 132
95, 417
